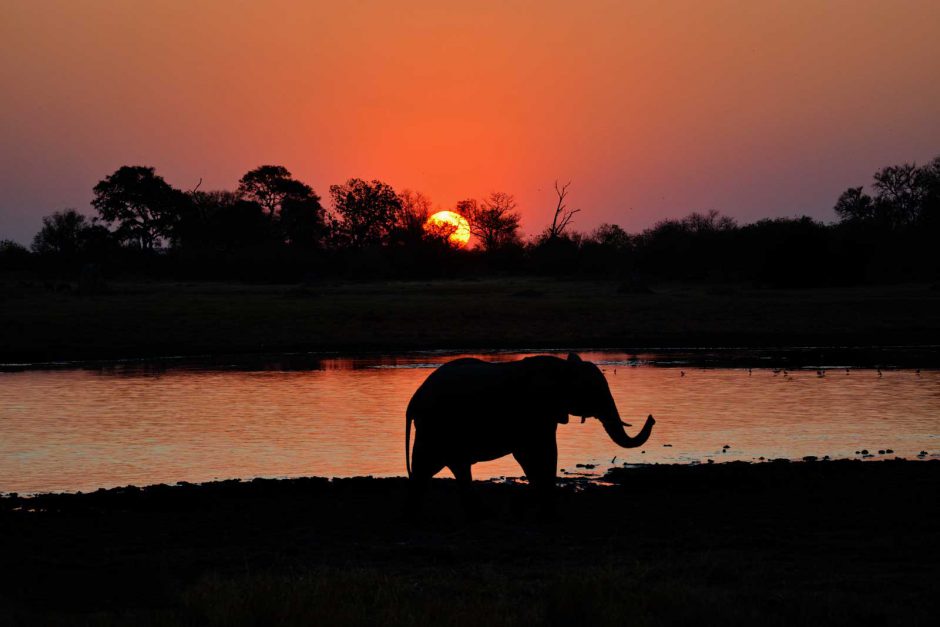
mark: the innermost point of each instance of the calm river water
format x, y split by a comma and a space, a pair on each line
81, 429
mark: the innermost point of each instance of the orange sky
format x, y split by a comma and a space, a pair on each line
652, 109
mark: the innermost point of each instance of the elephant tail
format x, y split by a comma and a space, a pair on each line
408, 420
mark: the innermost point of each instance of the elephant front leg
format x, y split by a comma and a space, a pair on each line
539, 461
468, 496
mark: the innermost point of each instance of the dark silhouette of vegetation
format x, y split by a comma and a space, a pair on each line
494, 221
904, 195
366, 213
415, 209
563, 215
13, 256
62, 233
273, 187
143, 207
273, 228
221, 221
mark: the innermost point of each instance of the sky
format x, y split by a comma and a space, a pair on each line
651, 109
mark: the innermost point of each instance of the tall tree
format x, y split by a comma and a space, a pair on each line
930, 205
61, 233
904, 195
899, 193
854, 205
271, 186
222, 220
413, 216
302, 222
144, 206
366, 212
563, 215
494, 221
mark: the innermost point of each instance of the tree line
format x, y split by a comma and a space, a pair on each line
275, 228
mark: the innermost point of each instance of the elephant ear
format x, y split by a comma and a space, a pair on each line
574, 357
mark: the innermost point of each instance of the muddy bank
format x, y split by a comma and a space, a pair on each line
805, 543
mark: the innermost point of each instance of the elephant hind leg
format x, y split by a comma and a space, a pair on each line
423, 467
470, 499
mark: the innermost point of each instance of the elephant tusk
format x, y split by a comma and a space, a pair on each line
626, 424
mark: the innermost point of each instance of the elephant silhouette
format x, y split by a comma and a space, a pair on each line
469, 410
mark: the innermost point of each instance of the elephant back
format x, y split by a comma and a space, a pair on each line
471, 388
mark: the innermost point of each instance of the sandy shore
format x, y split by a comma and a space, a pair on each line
780, 543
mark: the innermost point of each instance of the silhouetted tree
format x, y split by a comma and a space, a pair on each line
272, 228
608, 251
930, 203
563, 215
144, 206
494, 221
412, 218
366, 213
557, 255
693, 248
9, 247
206, 203
62, 233
272, 185
610, 235
421, 249
438, 231
785, 252
899, 193
13, 256
904, 195
196, 230
855, 205
303, 222
221, 220
711, 222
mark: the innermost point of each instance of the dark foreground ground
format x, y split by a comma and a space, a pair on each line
845, 543
131, 320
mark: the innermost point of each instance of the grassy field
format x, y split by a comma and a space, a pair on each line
822, 543
159, 319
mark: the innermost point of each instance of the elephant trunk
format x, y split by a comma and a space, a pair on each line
614, 428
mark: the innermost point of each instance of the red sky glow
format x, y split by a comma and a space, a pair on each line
651, 109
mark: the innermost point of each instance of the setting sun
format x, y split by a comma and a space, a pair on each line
451, 225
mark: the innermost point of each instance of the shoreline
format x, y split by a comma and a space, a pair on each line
838, 542
565, 479
795, 357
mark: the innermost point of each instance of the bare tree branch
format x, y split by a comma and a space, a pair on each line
563, 215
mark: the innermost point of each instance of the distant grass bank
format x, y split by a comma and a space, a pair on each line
161, 319
822, 543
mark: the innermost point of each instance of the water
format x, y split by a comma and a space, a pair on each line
81, 429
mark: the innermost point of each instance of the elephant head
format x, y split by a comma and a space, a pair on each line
589, 397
